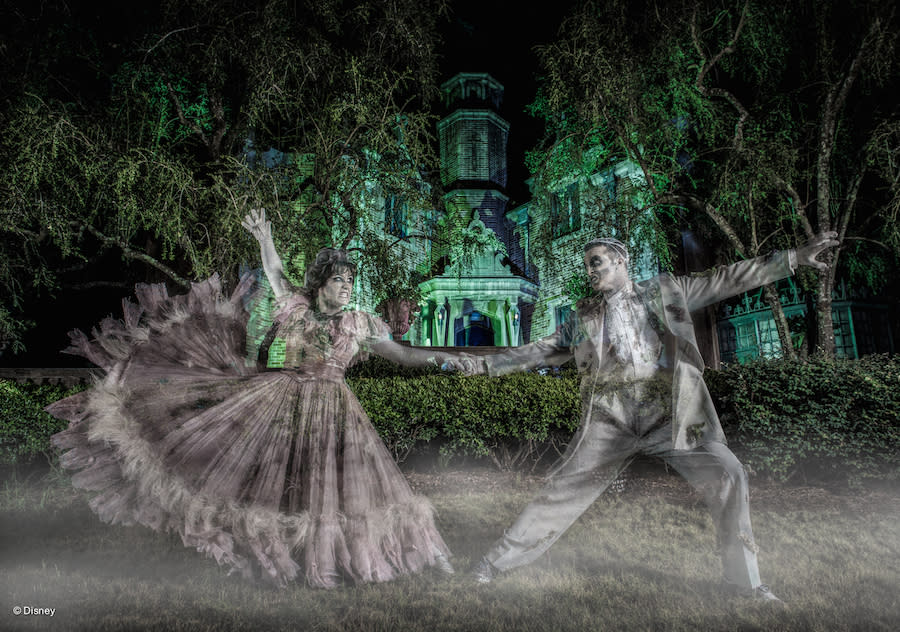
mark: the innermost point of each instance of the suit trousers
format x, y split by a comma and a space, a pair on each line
619, 427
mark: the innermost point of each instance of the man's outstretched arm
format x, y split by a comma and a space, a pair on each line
546, 352
744, 276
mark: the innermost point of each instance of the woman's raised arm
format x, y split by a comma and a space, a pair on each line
261, 229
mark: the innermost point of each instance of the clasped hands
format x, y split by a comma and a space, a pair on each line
463, 363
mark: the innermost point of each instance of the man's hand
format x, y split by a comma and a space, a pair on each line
255, 222
806, 254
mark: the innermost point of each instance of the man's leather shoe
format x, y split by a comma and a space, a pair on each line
762, 593
484, 572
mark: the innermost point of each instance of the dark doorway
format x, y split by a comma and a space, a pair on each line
479, 333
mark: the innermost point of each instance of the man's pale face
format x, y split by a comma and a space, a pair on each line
606, 270
336, 293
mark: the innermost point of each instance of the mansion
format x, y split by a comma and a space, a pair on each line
511, 298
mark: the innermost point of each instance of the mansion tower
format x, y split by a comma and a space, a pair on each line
488, 302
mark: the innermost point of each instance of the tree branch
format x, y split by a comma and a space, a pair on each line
754, 237
633, 151
714, 215
91, 285
847, 213
871, 241
799, 207
765, 239
192, 125
834, 103
164, 37
708, 64
135, 255
221, 125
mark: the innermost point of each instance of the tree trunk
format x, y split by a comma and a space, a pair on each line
835, 100
773, 300
824, 319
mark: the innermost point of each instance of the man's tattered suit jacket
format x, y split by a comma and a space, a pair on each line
669, 301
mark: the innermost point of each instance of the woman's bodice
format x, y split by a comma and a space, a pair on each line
313, 339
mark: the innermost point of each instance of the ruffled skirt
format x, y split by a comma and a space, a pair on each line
278, 475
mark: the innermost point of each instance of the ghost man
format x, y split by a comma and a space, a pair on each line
642, 392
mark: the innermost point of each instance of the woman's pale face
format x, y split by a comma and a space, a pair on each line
336, 293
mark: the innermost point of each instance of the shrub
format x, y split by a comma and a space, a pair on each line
507, 419
834, 419
784, 419
811, 419
377, 367
25, 428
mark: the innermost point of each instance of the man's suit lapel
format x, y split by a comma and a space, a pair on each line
651, 297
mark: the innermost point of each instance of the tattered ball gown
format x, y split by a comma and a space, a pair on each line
274, 473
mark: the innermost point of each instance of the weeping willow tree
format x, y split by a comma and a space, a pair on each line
151, 141
760, 124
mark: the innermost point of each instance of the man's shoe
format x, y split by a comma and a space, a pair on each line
484, 572
762, 593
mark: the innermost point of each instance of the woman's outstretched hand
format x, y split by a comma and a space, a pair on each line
255, 222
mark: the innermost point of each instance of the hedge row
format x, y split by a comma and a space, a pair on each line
25, 428
783, 419
814, 419
507, 419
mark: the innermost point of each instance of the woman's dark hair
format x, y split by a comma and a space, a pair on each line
328, 261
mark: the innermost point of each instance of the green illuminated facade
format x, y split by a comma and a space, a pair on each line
511, 298
489, 302
522, 296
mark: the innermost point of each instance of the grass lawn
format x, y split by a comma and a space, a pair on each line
643, 559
